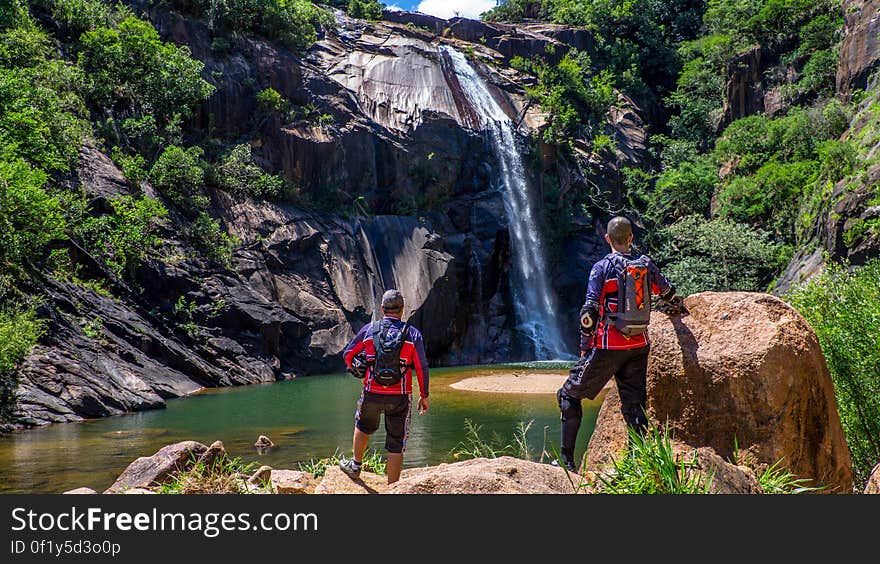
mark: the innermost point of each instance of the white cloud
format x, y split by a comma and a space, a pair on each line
394, 8
447, 8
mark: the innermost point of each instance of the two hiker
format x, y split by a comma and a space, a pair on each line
613, 343
385, 354
613, 335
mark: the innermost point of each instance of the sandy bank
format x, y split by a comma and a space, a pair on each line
512, 383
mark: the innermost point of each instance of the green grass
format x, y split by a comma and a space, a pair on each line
777, 479
374, 461
226, 475
649, 466
476, 445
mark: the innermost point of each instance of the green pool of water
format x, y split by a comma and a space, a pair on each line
307, 418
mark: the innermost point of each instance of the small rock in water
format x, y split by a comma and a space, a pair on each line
264, 443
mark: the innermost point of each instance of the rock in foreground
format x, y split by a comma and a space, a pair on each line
742, 368
336, 481
505, 475
149, 471
292, 482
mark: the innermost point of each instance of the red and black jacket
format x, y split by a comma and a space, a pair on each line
412, 354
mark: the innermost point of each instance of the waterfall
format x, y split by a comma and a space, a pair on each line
534, 303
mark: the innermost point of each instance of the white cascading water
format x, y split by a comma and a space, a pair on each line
534, 302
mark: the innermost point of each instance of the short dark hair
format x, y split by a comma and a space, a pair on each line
620, 230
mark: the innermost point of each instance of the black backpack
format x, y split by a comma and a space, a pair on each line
388, 341
633, 296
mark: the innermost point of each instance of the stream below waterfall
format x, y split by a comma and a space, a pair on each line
308, 418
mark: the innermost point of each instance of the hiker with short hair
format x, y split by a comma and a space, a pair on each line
385, 354
614, 334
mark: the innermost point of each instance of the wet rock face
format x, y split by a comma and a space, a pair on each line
741, 367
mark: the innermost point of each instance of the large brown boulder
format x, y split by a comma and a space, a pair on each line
150, 471
505, 475
873, 486
741, 368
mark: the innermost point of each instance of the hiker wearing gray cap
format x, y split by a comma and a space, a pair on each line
385, 354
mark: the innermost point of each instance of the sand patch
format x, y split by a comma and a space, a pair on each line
513, 383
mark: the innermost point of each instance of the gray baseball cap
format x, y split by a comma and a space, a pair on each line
392, 300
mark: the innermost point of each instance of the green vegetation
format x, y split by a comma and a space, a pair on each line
474, 445
365, 9
649, 466
226, 475
29, 216
374, 461
575, 97
123, 237
132, 72
20, 329
238, 173
295, 23
718, 255
777, 479
841, 305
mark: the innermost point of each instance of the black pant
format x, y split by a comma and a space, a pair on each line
396, 409
587, 378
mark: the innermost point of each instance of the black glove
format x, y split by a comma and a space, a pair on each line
673, 305
589, 318
359, 365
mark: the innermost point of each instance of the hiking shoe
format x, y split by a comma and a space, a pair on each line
350, 467
568, 465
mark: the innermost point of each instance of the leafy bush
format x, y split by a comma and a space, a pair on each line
29, 216
124, 237
132, 166
40, 115
771, 197
293, 22
718, 255
13, 13
365, 9
569, 91
211, 239
78, 16
132, 70
180, 174
270, 100
238, 173
682, 191
841, 306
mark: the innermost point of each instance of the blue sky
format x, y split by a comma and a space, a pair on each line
444, 8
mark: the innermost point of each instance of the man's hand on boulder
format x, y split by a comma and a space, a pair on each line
673, 307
